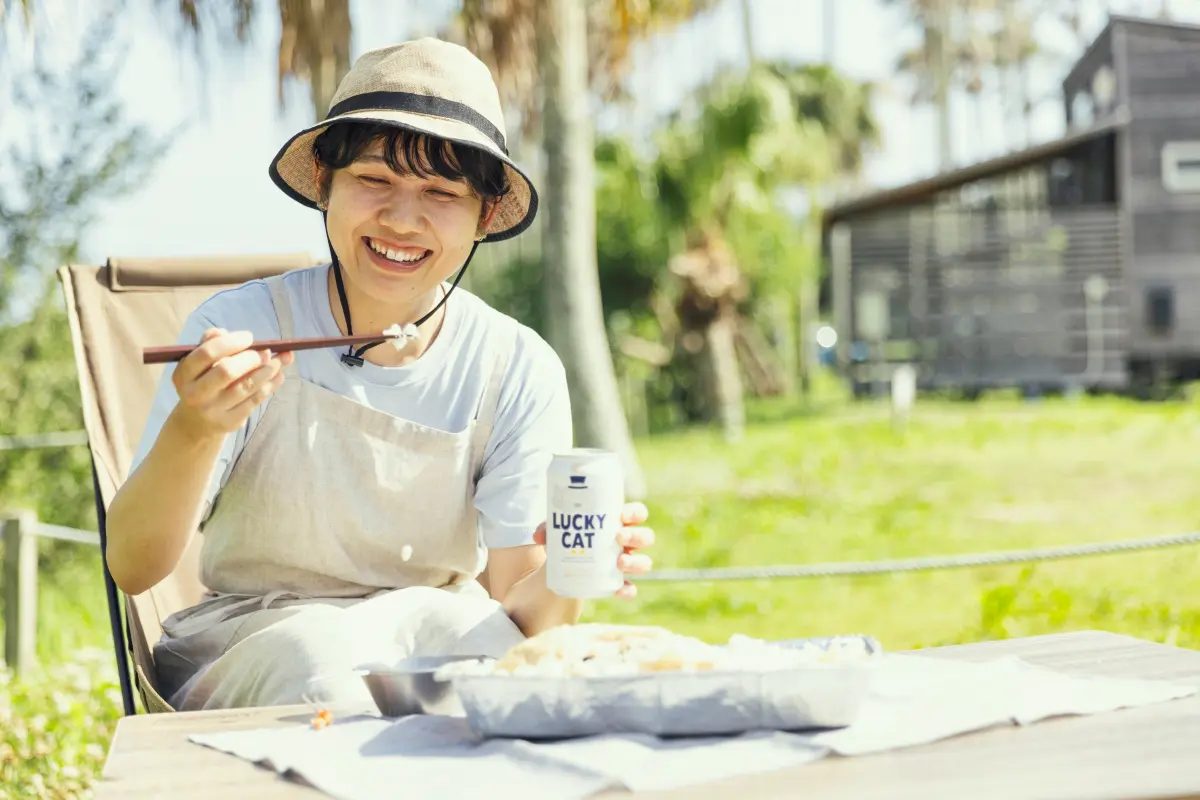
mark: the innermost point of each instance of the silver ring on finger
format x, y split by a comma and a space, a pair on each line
248, 385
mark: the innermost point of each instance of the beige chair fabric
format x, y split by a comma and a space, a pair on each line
114, 312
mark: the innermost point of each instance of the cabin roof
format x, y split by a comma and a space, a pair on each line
1125, 20
919, 190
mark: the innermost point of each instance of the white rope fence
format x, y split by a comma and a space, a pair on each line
21, 531
837, 568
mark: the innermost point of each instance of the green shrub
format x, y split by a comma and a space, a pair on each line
55, 727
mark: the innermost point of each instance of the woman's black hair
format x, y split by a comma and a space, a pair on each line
409, 153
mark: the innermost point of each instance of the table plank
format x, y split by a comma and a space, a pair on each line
150, 757
1148, 752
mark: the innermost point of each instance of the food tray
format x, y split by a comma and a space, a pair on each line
819, 695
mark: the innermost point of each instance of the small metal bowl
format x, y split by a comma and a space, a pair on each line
411, 686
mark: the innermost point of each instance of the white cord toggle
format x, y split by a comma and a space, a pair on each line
401, 335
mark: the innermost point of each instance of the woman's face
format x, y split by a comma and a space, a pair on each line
399, 236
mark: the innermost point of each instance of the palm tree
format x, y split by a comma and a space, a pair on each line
580, 52
842, 109
931, 64
747, 140
503, 33
314, 38
314, 46
1016, 47
963, 40
572, 283
839, 105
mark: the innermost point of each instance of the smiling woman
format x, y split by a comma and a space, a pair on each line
377, 504
403, 212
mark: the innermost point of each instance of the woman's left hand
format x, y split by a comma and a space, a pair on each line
633, 536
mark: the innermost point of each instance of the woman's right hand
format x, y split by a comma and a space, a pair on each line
222, 381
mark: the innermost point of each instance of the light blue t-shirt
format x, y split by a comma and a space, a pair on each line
441, 389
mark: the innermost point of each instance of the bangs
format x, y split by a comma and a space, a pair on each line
407, 152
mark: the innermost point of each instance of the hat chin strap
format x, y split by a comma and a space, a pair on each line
352, 357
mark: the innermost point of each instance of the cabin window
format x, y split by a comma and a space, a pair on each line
1181, 166
1083, 110
872, 316
1160, 310
1104, 88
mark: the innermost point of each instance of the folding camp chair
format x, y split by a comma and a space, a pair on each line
115, 311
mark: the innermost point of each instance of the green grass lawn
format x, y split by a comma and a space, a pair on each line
959, 478
842, 484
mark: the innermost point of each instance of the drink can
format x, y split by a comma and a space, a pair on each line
586, 494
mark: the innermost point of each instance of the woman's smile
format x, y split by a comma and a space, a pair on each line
396, 258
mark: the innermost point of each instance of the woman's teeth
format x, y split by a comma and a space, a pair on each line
406, 256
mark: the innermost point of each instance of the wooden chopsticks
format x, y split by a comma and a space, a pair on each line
164, 355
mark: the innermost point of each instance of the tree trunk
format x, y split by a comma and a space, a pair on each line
942, 104
805, 310
726, 389
828, 31
941, 83
801, 372
748, 33
760, 361
575, 320
1026, 95
980, 114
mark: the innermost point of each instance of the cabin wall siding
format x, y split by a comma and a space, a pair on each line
1162, 69
987, 300
981, 276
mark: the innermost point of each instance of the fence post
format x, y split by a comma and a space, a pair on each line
20, 590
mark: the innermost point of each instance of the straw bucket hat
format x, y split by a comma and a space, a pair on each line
428, 86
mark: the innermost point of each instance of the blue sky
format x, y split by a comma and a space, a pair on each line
211, 194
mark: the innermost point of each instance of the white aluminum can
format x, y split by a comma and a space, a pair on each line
586, 493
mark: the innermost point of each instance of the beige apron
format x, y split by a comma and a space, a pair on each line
343, 535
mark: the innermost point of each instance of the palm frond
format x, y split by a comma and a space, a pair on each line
314, 38
314, 47
26, 11
503, 34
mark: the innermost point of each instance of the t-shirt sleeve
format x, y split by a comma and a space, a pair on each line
533, 422
232, 310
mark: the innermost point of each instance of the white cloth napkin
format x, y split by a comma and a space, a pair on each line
913, 700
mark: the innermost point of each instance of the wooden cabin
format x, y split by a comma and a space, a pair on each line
1072, 263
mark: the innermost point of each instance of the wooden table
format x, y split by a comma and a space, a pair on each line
1148, 752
